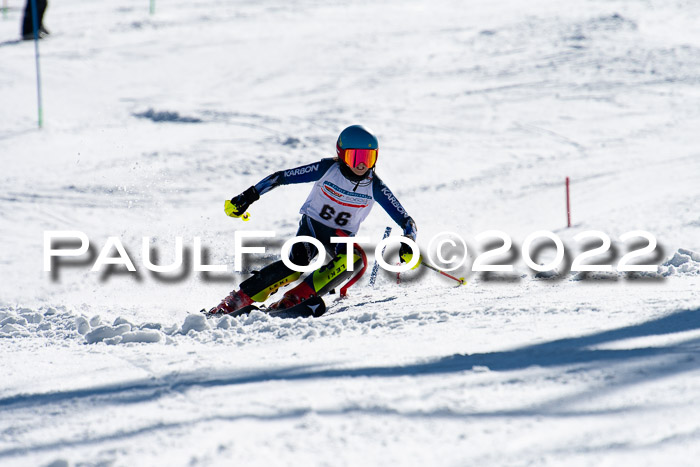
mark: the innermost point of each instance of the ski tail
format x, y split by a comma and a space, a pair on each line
311, 307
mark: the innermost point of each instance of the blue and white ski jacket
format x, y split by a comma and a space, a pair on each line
337, 201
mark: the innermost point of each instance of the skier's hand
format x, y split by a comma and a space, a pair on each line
406, 255
240, 204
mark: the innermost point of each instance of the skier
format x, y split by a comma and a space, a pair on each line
28, 21
346, 188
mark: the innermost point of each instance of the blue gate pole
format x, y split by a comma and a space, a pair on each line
35, 20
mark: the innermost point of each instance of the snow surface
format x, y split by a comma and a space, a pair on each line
482, 109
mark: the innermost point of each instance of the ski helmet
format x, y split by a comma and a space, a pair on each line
361, 139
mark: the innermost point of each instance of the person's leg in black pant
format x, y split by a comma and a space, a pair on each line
28, 23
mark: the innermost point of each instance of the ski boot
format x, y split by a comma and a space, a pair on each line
232, 302
294, 297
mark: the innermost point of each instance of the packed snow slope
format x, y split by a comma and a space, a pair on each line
482, 109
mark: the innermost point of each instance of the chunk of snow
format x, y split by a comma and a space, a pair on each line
82, 325
682, 262
197, 323
224, 323
256, 316
121, 320
9, 329
13, 320
106, 332
141, 336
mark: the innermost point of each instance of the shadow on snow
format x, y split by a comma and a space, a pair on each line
652, 363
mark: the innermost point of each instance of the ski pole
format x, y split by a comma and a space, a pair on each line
375, 268
461, 280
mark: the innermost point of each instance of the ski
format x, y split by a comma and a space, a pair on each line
313, 307
241, 311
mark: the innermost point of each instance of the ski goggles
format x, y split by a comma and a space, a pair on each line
355, 157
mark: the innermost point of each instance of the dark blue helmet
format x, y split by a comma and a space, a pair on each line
356, 137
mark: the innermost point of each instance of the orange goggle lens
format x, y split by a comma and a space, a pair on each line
355, 157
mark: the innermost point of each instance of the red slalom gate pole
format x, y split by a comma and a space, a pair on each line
356, 277
461, 280
568, 204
